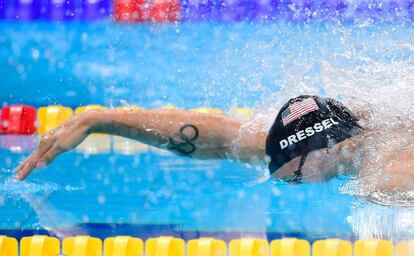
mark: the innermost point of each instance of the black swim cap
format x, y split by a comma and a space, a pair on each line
307, 123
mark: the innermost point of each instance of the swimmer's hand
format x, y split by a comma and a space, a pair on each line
61, 139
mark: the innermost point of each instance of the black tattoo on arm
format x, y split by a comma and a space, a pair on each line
188, 133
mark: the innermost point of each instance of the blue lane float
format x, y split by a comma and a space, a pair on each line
95, 9
265, 10
55, 10
60, 10
222, 10
228, 10
26, 9
248, 10
297, 10
195, 10
307, 10
3, 8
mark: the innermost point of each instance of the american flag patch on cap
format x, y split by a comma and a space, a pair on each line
298, 109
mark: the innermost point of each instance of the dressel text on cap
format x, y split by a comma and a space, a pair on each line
307, 132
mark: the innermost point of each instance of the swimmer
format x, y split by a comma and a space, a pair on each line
311, 140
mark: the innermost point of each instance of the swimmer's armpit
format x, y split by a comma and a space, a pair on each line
183, 140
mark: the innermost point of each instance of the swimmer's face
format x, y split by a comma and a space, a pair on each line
320, 165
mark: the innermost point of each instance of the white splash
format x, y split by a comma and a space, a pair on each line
59, 222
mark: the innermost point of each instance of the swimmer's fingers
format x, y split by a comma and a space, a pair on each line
26, 161
22, 164
49, 156
31, 162
27, 167
25, 171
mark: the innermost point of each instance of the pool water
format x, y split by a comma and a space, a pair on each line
189, 65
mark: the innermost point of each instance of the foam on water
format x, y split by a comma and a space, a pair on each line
9, 186
59, 222
380, 86
372, 73
369, 69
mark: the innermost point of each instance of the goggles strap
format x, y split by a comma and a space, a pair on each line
298, 174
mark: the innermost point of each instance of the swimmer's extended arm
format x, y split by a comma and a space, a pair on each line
187, 133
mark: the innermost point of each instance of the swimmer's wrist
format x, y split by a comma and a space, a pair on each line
93, 120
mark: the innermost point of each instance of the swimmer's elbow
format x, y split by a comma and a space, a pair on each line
252, 156
249, 149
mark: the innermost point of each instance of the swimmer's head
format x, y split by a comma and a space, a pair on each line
305, 124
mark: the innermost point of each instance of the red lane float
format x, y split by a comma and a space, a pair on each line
128, 10
165, 11
147, 10
18, 119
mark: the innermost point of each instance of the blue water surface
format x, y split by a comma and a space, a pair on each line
186, 65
